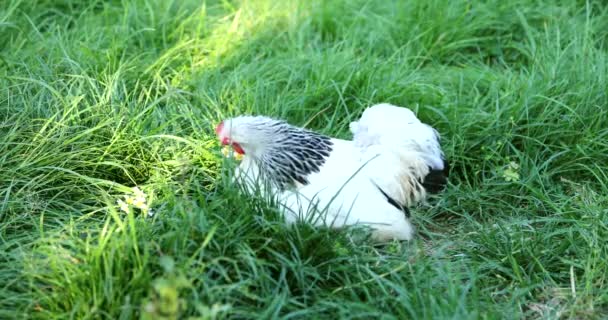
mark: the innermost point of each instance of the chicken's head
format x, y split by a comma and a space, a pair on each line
246, 134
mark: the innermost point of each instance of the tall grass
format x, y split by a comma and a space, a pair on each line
98, 97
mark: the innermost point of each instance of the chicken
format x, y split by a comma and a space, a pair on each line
389, 165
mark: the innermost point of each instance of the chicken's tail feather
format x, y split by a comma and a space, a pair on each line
436, 180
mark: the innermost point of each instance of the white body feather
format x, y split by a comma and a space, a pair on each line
342, 193
389, 125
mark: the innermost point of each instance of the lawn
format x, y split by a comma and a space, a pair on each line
98, 97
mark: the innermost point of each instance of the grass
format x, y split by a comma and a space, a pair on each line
98, 97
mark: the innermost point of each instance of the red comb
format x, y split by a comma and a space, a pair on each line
219, 127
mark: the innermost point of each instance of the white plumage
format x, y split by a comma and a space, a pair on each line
389, 165
398, 127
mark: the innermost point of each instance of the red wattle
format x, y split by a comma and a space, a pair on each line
237, 147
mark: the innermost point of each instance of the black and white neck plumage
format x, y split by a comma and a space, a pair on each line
285, 154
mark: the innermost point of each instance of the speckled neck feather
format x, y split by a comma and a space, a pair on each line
292, 154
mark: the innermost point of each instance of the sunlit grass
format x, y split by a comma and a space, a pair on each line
98, 98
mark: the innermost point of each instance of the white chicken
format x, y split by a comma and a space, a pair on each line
393, 162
